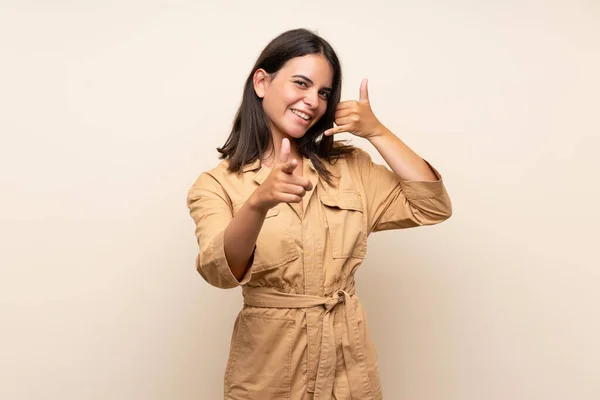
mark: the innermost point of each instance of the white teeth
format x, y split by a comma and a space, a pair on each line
301, 114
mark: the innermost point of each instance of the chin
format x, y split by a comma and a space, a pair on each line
296, 133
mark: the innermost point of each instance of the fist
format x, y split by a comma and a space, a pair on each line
282, 186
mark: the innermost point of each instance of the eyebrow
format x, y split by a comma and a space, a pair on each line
311, 82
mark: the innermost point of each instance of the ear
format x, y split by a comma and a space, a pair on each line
260, 80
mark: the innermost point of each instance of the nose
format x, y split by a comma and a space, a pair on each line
312, 99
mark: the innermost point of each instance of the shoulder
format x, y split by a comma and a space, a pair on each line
213, 178
354, 157
220, 171
345, 167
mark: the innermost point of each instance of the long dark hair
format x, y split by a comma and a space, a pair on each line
250, 135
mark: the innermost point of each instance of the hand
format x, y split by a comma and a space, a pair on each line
281, 186
356, 117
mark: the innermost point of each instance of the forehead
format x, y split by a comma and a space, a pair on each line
313, 66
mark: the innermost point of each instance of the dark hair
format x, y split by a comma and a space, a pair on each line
250, 135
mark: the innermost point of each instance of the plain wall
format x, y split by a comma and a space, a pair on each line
110, 109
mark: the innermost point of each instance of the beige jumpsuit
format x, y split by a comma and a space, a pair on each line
302, 333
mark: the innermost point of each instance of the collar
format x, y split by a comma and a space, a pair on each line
252, 166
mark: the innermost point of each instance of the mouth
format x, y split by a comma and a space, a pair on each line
301, 116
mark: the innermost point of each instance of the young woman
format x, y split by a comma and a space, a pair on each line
286, 215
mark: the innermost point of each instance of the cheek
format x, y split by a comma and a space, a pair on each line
293, 96
268, 108
279, 99
273, 106
322, 109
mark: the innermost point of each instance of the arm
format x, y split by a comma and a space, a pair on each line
212, 211
240, 238
225, 257
280, 186
402, 159
412, 194
357, 118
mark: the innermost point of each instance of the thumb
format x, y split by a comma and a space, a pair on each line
284, 151
364, 91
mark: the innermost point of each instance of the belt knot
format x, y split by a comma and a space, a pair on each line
337, 298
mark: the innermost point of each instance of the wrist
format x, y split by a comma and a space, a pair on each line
255, 204
378, 131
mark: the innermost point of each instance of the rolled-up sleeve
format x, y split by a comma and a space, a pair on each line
393, 203
212, 211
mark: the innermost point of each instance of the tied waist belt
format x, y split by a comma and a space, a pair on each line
354, 356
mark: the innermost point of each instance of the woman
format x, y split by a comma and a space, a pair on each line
286, 215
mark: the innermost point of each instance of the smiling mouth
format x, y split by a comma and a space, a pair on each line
302, 115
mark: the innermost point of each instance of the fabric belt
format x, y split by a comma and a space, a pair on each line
352, 346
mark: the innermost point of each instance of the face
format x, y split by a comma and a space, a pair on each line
296, 97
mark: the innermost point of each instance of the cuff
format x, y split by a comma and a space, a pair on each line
226, 277
423, 189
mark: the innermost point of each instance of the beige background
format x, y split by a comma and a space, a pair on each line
110, 109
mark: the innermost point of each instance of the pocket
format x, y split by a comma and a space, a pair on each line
347, 224
260, 358
275, 244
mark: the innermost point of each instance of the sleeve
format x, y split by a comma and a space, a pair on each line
393, 203
211, 209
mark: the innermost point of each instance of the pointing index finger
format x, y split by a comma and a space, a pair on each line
284, 151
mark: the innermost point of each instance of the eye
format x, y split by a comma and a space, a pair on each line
301, 83
327, 95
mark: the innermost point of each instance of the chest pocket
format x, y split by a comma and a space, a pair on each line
275, 244
347, 224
